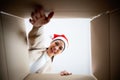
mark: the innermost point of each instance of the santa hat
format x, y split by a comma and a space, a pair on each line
61, 37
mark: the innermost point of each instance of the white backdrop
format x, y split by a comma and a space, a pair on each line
77, 57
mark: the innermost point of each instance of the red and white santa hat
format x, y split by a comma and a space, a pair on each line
61, 37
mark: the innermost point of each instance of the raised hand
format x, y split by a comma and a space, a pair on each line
38, 17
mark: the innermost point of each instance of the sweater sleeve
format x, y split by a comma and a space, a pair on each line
36, 38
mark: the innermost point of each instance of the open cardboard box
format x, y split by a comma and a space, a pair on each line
105, 37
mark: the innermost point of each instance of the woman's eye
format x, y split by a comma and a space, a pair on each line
61, 48
57, 43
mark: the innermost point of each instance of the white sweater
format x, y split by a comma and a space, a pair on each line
40, 62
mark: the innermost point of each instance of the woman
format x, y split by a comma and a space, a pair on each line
41, 57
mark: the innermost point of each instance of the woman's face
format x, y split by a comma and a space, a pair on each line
55, 48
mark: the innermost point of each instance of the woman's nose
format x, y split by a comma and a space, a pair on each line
56, 48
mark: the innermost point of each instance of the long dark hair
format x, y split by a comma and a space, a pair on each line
52, 58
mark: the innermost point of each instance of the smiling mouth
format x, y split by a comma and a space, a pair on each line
52, 50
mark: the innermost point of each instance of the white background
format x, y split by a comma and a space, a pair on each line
77, 57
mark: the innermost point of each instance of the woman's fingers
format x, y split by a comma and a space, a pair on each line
31, 21
65, 73
42, 13
33, 16
38, 17
39, 13
50, 15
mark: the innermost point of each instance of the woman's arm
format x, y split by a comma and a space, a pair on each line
38, 19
